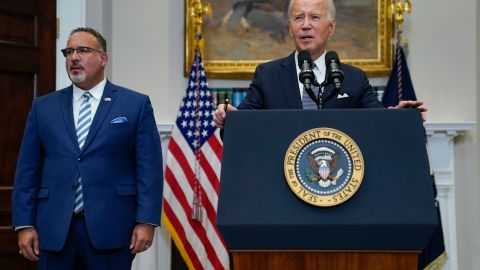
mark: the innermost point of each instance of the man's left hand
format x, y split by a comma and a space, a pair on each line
142, 237
412, 104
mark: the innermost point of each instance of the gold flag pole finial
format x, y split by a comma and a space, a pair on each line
198, 10
397, 10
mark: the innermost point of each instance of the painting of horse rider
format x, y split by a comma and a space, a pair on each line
258, 29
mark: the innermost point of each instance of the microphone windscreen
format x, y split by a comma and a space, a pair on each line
303, 57
331, 56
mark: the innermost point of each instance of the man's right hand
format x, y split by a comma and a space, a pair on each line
28, 244
219, 115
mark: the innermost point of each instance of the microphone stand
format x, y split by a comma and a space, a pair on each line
320, 93
319, 98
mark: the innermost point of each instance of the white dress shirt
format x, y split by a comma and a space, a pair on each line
319, 70
96, 91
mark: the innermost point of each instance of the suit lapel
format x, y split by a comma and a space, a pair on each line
66, 103
106, 102
328, 99
288, 77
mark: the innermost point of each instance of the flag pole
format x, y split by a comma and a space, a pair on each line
197, 11
398, 8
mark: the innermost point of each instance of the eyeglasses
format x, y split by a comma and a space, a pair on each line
67, 52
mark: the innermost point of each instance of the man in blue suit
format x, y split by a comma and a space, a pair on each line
276, 85
88, 184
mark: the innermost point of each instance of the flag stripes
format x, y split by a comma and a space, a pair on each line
192, 178
195, 231
182, 241
180, 169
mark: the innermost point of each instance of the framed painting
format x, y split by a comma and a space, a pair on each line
241, 34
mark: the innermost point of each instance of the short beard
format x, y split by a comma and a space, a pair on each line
78, 78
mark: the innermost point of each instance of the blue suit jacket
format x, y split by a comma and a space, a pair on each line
275, 86
120, 166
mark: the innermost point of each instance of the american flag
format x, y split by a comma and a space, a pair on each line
192, 178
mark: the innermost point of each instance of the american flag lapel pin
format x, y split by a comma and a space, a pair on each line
107, 99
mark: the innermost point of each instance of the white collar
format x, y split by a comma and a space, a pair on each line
96, 91
319, 62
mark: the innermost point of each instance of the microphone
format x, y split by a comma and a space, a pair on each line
306, 75
334, 74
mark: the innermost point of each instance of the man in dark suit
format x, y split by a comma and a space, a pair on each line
276, 85
88, 184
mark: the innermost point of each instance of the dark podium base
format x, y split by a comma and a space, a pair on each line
325, 260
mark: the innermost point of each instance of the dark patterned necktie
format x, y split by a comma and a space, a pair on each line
307, 102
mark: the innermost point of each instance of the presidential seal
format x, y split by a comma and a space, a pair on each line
324, 167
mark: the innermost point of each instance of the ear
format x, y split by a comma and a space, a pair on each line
104, 57
332, 26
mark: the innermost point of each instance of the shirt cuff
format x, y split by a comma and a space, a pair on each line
22, 227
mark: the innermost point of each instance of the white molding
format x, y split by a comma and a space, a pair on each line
441, 154
448, 129
165, 129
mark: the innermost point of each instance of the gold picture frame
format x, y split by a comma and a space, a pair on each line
232, 51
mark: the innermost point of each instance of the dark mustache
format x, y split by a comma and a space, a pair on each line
76, 64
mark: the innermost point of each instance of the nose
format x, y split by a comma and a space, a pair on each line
306, 23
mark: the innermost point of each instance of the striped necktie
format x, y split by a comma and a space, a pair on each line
307, 102
83, 126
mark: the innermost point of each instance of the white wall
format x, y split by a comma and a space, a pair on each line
146, 53
442, 37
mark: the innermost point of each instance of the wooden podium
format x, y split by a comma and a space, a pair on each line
324, 260
385, 225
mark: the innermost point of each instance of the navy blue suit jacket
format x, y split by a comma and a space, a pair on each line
120, 166
275, 86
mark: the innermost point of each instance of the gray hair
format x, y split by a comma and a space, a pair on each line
331, 9
102, 43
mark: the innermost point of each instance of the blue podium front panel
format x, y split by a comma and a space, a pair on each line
394, 208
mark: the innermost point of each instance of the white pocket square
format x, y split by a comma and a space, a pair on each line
344, 95
119, 120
